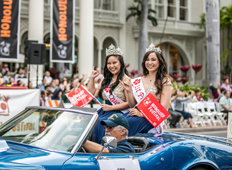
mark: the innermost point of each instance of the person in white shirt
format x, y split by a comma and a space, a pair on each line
66, 70
48, 77
225, 103
6, 77
19, 74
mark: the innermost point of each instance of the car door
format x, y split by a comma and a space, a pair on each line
159, 157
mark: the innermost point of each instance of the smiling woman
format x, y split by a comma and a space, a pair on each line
156, 81
110, 88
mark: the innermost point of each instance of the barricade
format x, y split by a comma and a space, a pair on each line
54, 103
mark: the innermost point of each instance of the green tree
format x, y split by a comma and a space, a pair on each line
225, 22
142, 13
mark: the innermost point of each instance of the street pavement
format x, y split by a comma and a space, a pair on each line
216, 133
219, 131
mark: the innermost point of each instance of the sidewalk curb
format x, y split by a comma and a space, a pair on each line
200, 129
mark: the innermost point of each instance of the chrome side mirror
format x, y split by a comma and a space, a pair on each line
108, 141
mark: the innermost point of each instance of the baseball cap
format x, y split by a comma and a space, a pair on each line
115, 120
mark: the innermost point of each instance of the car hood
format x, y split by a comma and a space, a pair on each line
19, 166
20, 156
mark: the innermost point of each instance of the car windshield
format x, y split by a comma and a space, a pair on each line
46, 128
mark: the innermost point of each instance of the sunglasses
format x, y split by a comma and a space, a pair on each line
108, 127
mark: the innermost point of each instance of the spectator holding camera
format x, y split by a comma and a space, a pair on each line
179, 107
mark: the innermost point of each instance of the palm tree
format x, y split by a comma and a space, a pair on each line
213, 41
226, 22
142, 12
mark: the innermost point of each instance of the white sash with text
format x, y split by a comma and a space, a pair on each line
114, 99
139, 94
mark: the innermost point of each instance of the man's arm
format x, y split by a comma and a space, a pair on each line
224, 107
182, 99
222, 102
93, 147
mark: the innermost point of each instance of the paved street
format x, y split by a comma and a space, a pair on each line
220, 131
215, 133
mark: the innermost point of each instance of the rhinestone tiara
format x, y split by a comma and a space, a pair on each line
113, 51
152, 48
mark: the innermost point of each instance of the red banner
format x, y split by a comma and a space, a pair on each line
152, 110
80, 97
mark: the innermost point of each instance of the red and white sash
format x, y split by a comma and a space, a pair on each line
139, 94
114, 99
138, 89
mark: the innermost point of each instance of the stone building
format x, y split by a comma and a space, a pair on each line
178, 33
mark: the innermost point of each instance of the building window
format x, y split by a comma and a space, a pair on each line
171, 8
97, 4
107, 5
183, 9
104, 4
77, 3
159, 8
173, 59
46, 1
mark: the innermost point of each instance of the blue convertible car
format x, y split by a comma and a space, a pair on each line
36, 139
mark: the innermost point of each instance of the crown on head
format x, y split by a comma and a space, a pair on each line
152, 48
113, 51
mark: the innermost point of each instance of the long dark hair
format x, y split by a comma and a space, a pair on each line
161, 73
213, 89
108, 75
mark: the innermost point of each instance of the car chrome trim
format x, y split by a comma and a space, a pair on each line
60, 109
86, 132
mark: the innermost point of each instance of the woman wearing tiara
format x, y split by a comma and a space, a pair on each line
110, 89
155, 80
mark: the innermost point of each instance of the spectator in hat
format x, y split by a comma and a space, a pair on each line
116, 126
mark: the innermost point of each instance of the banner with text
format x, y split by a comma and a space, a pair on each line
152, 110
29, 125
62, 31
13, 102
80, 97
9, 29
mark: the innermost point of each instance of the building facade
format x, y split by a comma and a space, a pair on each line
178, 33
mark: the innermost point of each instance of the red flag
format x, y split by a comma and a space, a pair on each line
80, 97
152, 110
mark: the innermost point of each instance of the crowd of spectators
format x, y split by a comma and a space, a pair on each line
55, 89
221, 95
15, 80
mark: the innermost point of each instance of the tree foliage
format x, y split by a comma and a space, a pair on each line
187, 87
226, 16
225, 21
135, 11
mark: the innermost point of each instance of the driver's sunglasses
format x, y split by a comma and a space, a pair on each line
108, 127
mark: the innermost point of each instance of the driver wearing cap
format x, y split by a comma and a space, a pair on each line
116, 126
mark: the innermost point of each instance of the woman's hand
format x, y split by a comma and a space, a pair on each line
126, 84
106, 107
94, 74
135, 112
